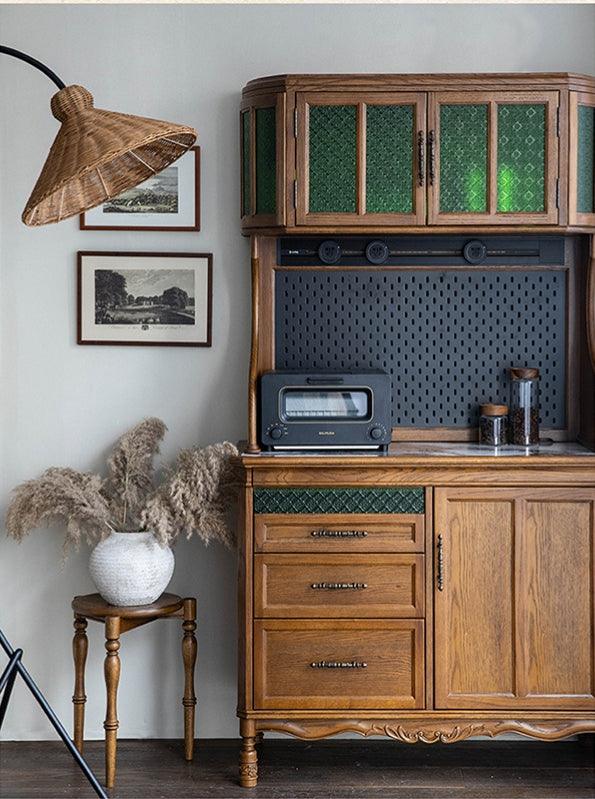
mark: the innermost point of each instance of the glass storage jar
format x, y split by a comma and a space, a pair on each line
493, 425
524, 406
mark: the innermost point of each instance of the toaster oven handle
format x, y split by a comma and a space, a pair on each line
324, 381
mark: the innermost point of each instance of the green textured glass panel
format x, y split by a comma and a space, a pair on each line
586, 160
266, 168
463, 158
521, 158
246, 164
389, 159
332, 159
339, 500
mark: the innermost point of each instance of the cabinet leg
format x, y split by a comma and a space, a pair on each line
189, 649
79, 650
248, 762
112, 677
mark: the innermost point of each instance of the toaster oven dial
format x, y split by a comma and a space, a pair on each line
377, 433
329, 252
377, 252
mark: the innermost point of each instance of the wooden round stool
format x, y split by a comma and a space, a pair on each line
119, 620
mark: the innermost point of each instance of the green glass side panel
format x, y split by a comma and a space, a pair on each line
339, 500
521, 158
332, 159
246, 163
586, 160
266, 167
389, 159
463, 158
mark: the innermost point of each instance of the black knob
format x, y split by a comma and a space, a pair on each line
377, 252
329, 252
475, 251
276, 432
376, 433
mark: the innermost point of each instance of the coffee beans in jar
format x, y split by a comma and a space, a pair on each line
524, 406
493, 425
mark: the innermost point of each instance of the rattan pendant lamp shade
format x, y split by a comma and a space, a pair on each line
99, 154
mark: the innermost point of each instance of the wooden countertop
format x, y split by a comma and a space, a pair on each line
432, 454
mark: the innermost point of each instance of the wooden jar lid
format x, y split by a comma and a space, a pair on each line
493, 410
524, 373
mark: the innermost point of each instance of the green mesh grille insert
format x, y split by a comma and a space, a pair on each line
389, 159
521, 158
586, 160
463, 158
339, 500
246, 163
266, 169
332, 159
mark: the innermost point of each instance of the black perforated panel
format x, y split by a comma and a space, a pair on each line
447, 337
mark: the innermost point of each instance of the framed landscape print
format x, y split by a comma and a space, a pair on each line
145, 298
169, 200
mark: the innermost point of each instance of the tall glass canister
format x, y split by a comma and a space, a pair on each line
524, 406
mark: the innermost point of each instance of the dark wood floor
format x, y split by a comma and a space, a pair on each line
294, 769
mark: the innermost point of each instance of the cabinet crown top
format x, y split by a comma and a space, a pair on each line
386, 81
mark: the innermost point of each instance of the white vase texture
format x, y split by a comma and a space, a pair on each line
131, 568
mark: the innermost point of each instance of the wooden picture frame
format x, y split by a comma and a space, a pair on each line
132, 310
187, 202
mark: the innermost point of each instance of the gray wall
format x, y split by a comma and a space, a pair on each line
63, 404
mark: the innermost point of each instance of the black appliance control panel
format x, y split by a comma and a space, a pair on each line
423, 250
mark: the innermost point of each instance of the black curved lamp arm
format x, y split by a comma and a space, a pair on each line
34, 63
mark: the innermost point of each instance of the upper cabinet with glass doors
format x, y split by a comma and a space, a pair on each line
418, 152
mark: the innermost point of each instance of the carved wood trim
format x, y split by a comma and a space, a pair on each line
253, 374
591, 304
431, 732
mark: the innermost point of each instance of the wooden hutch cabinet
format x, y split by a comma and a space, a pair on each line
440, 590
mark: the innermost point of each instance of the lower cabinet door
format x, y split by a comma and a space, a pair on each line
315, 664
514, 601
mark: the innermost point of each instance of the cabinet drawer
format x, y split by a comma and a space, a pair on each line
348, 532
335, 586
338, 664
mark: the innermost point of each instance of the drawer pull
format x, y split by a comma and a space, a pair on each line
338, 533
340, 586
338, 664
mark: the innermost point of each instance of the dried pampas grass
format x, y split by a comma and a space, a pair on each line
60, 494
130, 470
197, 496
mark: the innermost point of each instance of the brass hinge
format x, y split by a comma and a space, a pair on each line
295, 193
295, 123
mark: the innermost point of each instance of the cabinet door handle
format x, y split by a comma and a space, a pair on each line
440, 558
338, 664
420, 158
339, 586
338, 533
432, 157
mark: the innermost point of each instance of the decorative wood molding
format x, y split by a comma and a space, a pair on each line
253, 375
591, 304
436, 731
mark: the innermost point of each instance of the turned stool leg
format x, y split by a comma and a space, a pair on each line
189, 655
112, 677
79, 650
248, 756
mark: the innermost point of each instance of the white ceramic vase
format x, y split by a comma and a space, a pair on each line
131, 568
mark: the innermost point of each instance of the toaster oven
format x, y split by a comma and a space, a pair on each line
325, 410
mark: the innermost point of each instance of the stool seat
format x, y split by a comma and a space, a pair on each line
94, 606
119, 620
